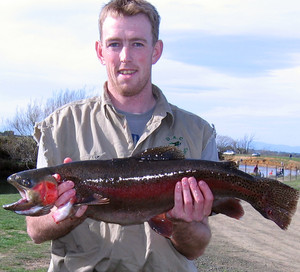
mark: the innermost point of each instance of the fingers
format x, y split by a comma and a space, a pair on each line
208, 196
65, 189
67, 160
65, 193
187, 200
198, 198
192, 200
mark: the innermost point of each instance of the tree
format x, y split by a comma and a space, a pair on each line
224, 143
243, 145
61, 98
24, 120
20, 149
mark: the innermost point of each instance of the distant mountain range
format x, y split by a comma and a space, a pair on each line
273, 147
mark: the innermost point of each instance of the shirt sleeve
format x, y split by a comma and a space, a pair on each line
41, 159
210, 152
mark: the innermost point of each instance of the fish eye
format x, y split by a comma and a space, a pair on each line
26, 182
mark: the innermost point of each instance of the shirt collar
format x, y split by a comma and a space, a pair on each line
162, 108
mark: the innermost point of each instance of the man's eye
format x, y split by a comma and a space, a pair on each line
115, 44
138, 44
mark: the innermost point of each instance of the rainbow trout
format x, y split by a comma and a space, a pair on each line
138, 189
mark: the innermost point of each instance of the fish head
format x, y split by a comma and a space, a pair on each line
278, 215
38, 190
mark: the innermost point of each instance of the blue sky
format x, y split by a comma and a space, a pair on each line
235, 63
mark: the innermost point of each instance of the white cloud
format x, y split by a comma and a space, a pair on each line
267, 105
274, 86
49, 45
228, 17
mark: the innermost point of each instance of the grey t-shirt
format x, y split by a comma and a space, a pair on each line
137, 122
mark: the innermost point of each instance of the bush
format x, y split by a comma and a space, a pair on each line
17, 153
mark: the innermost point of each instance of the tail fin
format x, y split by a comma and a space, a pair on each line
279, 202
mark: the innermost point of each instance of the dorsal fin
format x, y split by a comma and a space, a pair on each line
161, 154
230, 164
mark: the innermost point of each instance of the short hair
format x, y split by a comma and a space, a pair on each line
131, 8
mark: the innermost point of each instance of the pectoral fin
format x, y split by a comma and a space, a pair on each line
96, 199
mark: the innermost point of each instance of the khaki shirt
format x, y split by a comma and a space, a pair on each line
93, 129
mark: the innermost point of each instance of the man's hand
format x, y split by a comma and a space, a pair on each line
192, 205
192, 201
44, 228
67, 193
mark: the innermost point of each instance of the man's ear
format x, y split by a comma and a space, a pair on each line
98, 47
157, 52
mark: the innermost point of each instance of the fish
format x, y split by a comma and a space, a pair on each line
140, 189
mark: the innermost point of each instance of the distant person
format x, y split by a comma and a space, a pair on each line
255, 170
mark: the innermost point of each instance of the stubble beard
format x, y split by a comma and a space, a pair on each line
130, 91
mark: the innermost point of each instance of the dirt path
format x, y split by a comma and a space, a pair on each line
252, 244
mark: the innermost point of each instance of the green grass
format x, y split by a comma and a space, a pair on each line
17, 251
294, 183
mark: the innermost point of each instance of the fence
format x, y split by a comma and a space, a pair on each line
264, 170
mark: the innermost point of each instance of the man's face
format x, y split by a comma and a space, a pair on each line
127, 51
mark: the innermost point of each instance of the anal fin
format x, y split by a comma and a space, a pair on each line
228, 206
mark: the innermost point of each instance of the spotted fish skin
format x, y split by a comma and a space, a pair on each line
135, 189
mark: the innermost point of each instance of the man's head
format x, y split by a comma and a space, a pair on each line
127, 47
131, 8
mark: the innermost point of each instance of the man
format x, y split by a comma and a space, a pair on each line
131, 115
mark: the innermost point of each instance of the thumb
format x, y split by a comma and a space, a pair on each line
67, 160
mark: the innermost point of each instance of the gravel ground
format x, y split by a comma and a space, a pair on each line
252, 244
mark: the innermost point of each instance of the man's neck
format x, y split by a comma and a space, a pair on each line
139, 103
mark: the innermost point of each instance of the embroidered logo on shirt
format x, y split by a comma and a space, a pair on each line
176, 141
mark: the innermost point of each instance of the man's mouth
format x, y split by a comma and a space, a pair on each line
127, 72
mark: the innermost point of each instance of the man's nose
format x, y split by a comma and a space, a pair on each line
125, 55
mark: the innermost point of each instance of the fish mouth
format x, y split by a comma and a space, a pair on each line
21, 204
25, 202
25, 206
